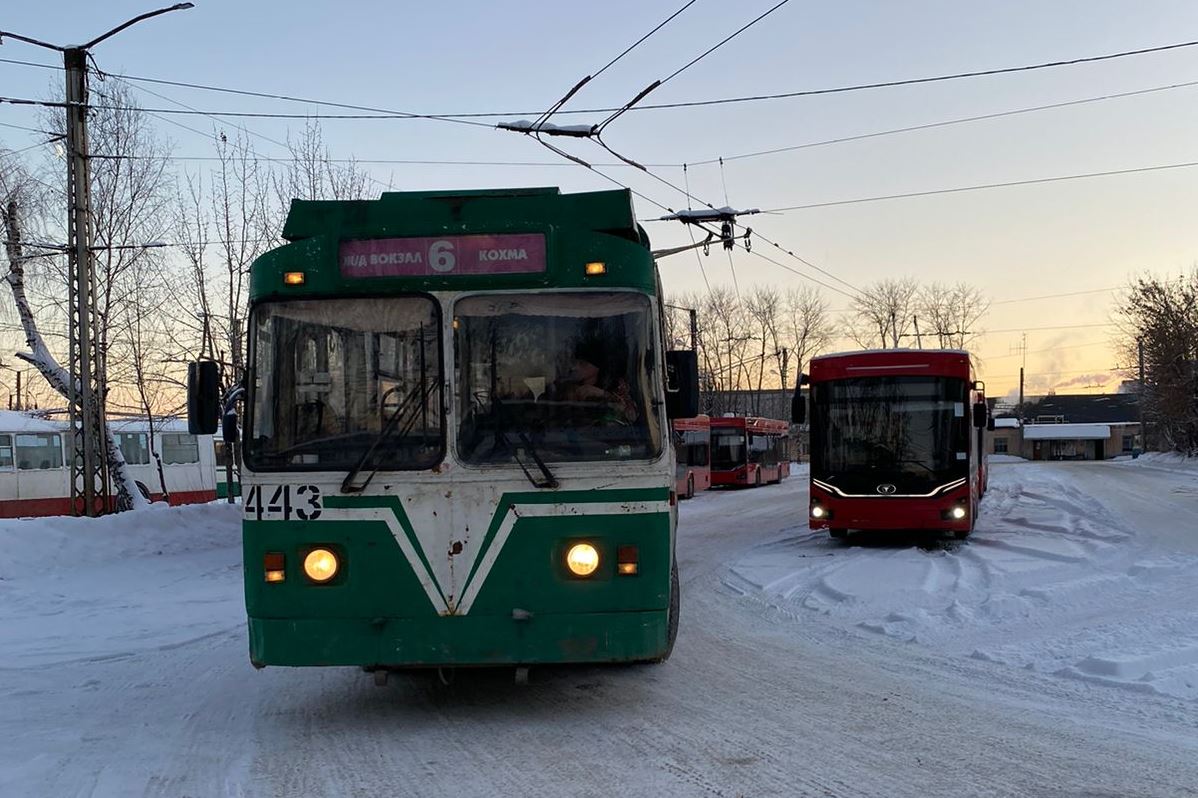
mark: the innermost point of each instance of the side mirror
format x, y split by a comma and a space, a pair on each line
203, 397
981, 416
798, 408
228, 427
798, 403
682, 383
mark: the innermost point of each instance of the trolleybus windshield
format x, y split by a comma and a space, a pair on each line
334, 377
727, 448
558, 376
898, 425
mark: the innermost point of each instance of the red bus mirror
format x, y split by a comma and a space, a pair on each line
980, 415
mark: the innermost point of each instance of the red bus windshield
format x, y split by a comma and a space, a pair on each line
909, 429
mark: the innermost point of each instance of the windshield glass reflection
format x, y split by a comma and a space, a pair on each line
561, 377
334, 377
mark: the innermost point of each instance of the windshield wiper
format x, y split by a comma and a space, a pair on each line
347, 485
918, 463
550, 481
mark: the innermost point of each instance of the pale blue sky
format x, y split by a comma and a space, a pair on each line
482, 56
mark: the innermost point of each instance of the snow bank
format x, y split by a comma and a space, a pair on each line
39, 546
1004, 458
81, 589
1170, 461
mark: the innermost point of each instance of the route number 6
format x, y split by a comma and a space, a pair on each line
440, 256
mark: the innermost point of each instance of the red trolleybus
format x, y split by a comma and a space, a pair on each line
749, 452
692, 455
896, 441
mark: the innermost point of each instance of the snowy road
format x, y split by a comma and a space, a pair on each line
1054, 654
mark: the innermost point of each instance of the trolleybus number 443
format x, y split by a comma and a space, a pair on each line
286, 501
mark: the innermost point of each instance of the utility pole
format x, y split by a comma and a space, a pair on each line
89, 468
1021, 348
784, 369
1140, 394
694, 324
918, 337
88, 384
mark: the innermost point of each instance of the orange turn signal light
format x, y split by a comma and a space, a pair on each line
293, 278
626, 560
274, 566
596, 268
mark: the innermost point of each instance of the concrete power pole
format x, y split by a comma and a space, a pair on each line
89, 461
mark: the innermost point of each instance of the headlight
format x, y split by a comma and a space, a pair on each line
320, 565
817, 511
582, 559
957, 512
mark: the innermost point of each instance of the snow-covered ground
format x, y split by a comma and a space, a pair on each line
1067, 573
1052, 654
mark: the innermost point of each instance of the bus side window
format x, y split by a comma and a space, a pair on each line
6, 461
39, 451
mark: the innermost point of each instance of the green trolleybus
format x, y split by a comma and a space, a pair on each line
456, 434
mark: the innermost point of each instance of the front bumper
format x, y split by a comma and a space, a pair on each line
462, 640
886, 513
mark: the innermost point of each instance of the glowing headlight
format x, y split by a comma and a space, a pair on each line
817, 511
320, 565
958, 512
582, 559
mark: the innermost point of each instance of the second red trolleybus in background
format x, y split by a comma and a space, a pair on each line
896, 441
692, 455
747, 451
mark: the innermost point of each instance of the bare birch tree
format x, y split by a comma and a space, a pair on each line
807, 323
883, 313
951, 314
39, 355
763, 307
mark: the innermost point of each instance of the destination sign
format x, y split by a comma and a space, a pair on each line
450, 255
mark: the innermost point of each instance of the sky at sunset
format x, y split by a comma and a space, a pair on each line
1052, 238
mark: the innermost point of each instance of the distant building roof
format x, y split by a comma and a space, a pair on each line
1106, 408
1066, 432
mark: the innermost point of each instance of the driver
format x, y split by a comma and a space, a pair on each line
582, 385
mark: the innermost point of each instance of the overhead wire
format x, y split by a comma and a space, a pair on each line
981, 187
691, 232
648, 106
806, 262
659, 83
1057, 296
544, 117
945, 123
